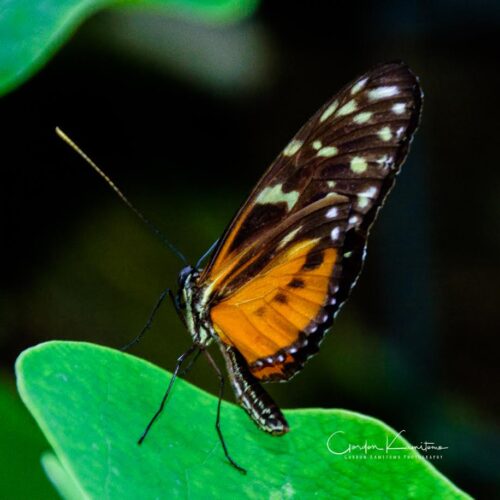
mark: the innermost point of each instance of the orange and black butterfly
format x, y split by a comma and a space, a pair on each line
289, 258
291, 255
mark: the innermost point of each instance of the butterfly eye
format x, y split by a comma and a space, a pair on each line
183, 276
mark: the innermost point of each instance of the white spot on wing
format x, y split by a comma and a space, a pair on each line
322, 318
316, 145
327, 151
362, 117
292, 147
358, 86
332, 213
358, 165
329, 111
399, 108
384, 161
330, 184
334, 235
385, 134
381, 92
275, 195
354, 219
363, 201
347, 108
371, 192
289, 237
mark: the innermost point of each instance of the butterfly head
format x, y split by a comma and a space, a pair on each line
184, 293
184, 275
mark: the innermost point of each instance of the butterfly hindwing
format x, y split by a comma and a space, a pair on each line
294, 250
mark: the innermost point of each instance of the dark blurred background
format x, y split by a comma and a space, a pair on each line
185, 117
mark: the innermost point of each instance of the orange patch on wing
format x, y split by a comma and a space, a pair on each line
277, 369
268, 313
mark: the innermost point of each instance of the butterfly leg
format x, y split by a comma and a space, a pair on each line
180, 360
217, 420
184, 371
149, 322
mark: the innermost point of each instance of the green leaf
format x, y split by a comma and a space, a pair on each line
93, 403
32, 31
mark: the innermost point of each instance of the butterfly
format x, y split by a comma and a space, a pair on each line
289, 258
294, 250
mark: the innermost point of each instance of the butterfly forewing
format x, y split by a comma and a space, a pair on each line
294, 250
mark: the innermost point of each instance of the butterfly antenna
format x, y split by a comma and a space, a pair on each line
124, 199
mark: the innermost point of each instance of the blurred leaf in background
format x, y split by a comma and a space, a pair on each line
226, 59
21, 448
32, 31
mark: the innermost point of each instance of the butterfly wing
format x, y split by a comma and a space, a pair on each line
294, 250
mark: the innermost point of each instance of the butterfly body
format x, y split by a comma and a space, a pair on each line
294, 250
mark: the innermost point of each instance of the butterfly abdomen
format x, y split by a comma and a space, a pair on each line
252, 397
